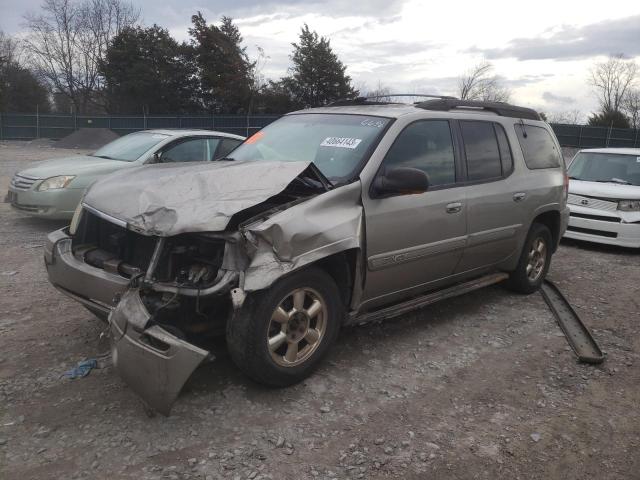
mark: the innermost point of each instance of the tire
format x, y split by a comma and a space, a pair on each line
259, 321
523, 281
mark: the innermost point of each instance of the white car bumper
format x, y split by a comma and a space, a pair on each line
604, 226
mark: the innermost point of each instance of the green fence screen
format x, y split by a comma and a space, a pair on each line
15, 126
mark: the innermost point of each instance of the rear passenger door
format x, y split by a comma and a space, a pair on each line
495, 212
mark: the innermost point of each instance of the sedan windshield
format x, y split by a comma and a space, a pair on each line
335, 143
606, 167
130, 147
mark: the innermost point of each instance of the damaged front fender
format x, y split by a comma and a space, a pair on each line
154, 363
305, 233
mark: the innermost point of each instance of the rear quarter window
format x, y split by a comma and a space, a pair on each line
538, 147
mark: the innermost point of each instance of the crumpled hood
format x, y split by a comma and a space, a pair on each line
76, 165
616, 191
168, 199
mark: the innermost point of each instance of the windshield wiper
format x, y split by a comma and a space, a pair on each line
106, 157
225, 159
615, 180
574, 178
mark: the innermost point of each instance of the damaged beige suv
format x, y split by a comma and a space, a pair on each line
327, 217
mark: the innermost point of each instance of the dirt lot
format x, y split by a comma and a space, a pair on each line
483, 386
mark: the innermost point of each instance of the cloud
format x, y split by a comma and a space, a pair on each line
553, 98
569, 42
524, 80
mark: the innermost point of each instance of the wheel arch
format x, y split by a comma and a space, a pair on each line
551, 219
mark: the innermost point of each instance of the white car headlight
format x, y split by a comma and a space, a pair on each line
629, 205
53, 183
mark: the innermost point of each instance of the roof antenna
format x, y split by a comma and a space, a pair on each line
524, 131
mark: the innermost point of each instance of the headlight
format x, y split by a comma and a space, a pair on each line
53, 183
629, 205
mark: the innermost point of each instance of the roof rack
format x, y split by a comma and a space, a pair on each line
373, 100
501, 108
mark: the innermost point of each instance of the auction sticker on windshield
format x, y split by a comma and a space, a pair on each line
341, 142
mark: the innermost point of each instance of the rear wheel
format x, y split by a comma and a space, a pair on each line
281, 334
534, 262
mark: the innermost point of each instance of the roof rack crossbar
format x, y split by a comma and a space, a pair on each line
375, 99
500, 108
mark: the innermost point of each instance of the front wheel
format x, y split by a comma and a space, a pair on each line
280, 335
534, 262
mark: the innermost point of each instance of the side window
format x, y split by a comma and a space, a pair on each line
212, 146
226, 146
426, 145
505, 150
189, 151
538, 148
481, 147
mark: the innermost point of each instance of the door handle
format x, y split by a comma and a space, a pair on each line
518, 197
454, 207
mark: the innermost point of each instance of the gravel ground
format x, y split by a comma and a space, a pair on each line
482, 386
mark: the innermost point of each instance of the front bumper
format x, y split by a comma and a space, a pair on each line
58, 204
601, 226
153, 363
93, 287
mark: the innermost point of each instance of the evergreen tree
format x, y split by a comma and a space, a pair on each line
146, 70
609, 118
317, 76
224, 69
21, 91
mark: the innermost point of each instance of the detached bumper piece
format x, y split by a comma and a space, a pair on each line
577, 334
153, 363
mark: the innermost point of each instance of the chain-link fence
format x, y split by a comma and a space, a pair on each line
15, 126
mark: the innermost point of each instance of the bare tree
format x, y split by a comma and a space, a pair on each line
572, 117
67, 41
631, 106
611, 80
9, 49
381, 93
480, 83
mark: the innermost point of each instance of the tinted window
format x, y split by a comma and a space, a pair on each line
481, 147
538, 147
197, 150
425, 145
228, 144
505, 150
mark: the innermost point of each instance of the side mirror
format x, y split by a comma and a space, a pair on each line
400, 181
157, 157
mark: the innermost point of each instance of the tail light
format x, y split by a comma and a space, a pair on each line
565, 186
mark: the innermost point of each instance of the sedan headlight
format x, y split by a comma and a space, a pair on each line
53, 183
629, 205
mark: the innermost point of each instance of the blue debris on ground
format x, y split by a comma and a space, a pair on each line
83, 368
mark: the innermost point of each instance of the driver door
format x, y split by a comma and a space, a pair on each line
416, 239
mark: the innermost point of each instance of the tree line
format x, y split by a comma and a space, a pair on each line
94, 56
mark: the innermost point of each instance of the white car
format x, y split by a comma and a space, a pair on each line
604, 196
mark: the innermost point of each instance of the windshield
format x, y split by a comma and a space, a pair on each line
606, 167
130, 147
335, 143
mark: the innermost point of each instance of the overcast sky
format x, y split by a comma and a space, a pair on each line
543, 49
